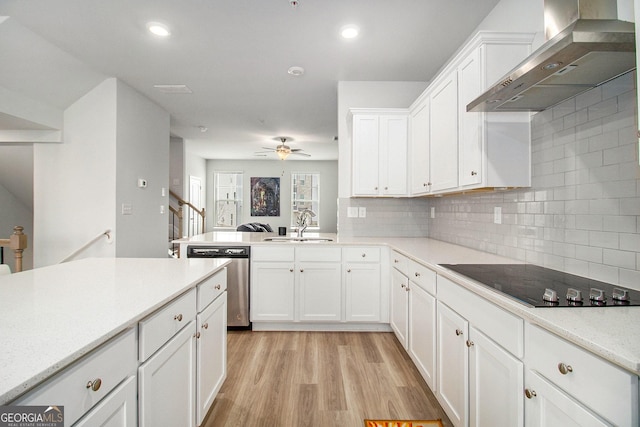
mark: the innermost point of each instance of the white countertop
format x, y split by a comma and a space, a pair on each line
612, 333
51, 316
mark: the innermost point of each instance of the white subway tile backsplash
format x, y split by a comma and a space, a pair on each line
589, 253
589, 98
619, 223
604, 239
630, 278
606, 108
618, 258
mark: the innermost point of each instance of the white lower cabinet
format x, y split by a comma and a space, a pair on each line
422, 333
496, 381
362, 284
167, 383
320, 291
211, 354
272, 291
546, 405
452, 388
118, 409
400, 306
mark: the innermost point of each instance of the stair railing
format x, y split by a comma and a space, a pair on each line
106, 233
176, 221
17, 242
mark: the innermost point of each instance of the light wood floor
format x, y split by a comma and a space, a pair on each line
283, 379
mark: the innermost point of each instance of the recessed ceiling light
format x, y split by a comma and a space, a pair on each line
349, 31
159, 29
296, 71
173, 88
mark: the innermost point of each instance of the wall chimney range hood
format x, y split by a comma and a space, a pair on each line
586, 46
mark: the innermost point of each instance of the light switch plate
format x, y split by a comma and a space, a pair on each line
433, 212
127, 209
352, 212
497, 215
362, 212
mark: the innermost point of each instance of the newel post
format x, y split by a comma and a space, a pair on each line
18, 243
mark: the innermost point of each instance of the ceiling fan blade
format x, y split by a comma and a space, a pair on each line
269, 148
301, 154
262, 152
293, 150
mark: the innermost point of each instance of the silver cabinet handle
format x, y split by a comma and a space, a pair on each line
564, 369
458, 332
95, 384
178, 317
469, 343
530, 393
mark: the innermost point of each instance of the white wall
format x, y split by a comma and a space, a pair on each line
142, 151
328, 171
74, 181
176, 165
112, 136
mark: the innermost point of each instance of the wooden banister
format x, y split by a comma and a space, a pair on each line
182, 202
17, 242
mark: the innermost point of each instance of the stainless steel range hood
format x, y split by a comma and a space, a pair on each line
587, 46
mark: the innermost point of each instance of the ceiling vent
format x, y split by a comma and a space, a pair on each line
173, 88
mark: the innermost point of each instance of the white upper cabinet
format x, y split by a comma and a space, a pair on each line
452, 150
379, 147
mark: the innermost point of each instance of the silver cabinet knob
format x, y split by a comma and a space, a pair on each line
402, 286
386, 188
95, 384
458, 332
178, 317
429, 184
205, 326
349, 270
291, 270
529, 393
375, 188
470, 343
417, 274
302, 270
474, 173
217, 287
364, 255
196, 335
396, 261
564, 369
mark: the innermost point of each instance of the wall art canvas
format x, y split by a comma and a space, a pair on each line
265, 196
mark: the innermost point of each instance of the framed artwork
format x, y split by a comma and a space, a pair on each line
265, 196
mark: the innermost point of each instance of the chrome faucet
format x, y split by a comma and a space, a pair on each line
304, 217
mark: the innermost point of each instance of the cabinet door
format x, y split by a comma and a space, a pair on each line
422, 333
546, 405
167, 383
444, 135
496, 381
212, 353
320, 287
399, 306
118, 409
362, 292
393, 155
365, 155
470, 138
419, 149
453, 375
272, 291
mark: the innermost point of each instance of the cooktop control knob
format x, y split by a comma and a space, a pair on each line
597, 295
550, 295
620, 294
574, 295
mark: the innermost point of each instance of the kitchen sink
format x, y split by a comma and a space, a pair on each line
297, 239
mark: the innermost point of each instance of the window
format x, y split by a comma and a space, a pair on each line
227, 198
305, 194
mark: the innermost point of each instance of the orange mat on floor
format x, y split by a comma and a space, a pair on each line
402, 423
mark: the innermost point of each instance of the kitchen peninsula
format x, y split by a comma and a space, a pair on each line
65, 317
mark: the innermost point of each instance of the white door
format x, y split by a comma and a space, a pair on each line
118, 409
419, 150
167, 385
365, 155
444, 135
422, 332
399, 306
469, 88
320, 287
393, 155
195, 198
453, 374
496, 381
272, 291
212, 353
547, 406
362, 290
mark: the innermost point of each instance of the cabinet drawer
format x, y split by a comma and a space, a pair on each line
283, 252
364, 254
211, 288
500, 325
319, 254
604, 388
422, 276
157, 328
400, 263
112, 362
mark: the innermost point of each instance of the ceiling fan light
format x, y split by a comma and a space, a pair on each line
282, 154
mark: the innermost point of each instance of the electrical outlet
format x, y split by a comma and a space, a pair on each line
497, 215
433, 212
362, 212
161, 209
352, 212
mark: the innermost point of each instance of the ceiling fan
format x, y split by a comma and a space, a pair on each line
282, 150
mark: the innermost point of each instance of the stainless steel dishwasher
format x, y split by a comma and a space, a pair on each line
237, 280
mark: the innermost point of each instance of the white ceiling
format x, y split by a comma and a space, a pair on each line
234, 55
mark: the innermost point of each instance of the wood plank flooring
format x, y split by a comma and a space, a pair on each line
296, 379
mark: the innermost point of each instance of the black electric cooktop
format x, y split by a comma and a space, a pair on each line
543, 287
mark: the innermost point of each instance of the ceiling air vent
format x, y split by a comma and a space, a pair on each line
173, 88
